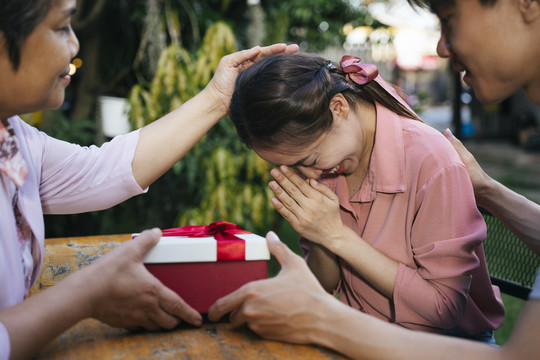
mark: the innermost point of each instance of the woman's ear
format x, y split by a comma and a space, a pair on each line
339, 106
530, 10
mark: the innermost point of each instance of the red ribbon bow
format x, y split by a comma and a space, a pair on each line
357, 72
229, 246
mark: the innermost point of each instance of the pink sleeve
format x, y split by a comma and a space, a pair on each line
447, 229
78, 179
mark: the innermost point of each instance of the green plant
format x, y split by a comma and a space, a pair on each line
77, 131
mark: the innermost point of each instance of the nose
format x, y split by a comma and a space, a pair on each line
73, 44
443, 47
310, 172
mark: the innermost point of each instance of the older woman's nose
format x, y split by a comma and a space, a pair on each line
74, 45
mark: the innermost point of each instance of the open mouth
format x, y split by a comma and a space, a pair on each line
336, 170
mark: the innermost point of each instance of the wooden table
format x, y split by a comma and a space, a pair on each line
91, 339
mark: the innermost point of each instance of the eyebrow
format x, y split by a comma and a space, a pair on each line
69, 11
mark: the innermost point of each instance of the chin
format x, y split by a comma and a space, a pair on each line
55, 103
489, 98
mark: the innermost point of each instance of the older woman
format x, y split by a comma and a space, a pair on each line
41, 174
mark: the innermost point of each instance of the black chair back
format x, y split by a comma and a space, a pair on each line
511, 265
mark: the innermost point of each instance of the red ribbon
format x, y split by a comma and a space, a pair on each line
229, 246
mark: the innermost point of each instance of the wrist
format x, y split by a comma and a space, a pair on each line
324, 308
338, 240
485, 191
335, 326
90, 287
217, 104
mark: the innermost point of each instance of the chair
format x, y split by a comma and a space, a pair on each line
511, 265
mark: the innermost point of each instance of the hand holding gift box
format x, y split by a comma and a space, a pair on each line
205, 263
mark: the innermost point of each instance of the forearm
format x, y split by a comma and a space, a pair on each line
515, 211
362, 336
36, 321
378, 269
165, 141
324, 266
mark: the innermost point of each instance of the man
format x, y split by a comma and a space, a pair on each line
496, 43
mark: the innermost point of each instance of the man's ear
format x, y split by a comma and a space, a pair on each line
339, 106
530, 10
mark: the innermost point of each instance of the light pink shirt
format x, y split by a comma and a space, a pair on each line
62, 178
416, 205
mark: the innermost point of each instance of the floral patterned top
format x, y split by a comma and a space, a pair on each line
14, 167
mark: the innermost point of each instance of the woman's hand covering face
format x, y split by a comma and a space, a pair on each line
310, 207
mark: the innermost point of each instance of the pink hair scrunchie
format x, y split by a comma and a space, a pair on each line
357, 72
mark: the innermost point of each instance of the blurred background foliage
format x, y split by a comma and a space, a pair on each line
158, 54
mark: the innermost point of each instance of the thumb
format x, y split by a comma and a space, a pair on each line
147, 240
283, 254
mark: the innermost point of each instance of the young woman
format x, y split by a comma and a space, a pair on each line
386, 215
40, 174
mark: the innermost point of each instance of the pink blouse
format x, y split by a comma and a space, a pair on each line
416, 205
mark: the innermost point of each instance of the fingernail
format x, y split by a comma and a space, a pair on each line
314, 182
274, 173
156, 231
284, 168
272, 236
448, 132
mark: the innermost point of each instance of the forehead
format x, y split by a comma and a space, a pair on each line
60, 8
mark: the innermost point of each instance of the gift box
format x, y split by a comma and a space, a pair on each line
205, 263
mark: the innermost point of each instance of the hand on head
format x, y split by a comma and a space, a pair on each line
223, 82
281, 308
124, 294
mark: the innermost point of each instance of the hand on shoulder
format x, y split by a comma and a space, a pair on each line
481, 181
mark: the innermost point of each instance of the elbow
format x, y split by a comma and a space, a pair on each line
435, 310
448, 309
448, 314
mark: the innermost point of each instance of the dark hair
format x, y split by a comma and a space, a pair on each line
18, 18
436, 5
285, 99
